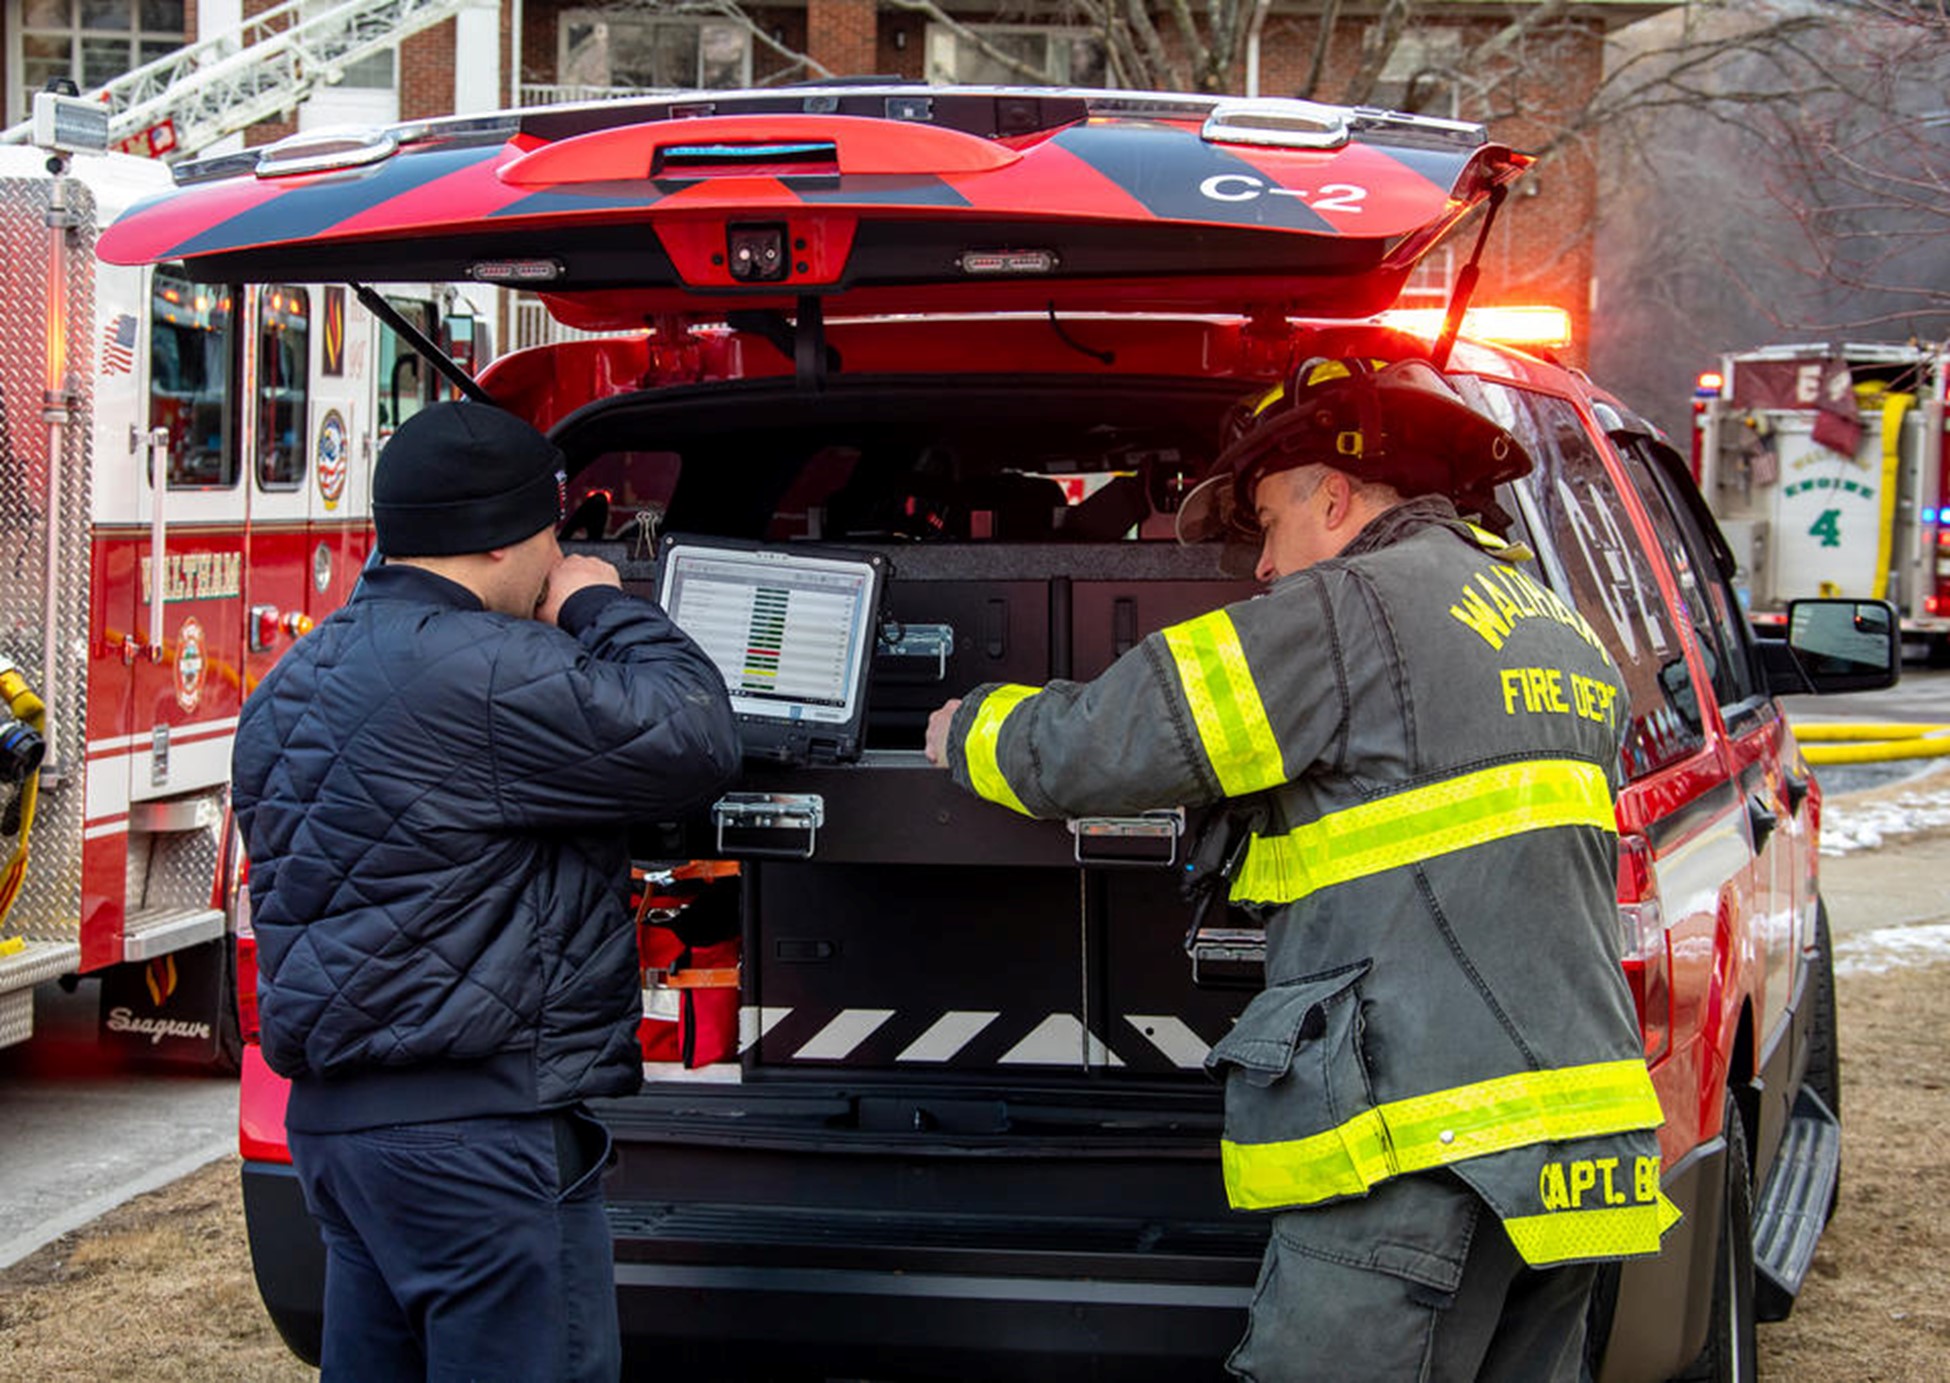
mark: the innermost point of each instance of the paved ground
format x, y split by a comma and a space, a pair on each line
84, 1132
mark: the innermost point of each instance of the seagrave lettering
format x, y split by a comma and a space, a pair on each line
156, 1029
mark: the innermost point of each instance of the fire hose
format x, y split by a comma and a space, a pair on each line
1859, 742
23, 724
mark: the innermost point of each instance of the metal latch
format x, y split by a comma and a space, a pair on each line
785, 824
936, 641
1150, 838
1228, 957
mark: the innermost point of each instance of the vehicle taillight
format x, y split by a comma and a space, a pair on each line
1642, 939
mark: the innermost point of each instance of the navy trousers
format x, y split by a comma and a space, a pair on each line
465, 1251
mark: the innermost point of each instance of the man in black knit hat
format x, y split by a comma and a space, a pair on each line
434, 788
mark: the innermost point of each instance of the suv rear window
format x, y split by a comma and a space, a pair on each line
1595, 552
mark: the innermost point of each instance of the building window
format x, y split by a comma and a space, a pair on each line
1432, 280
1419, 76
92, 42
601, 51
1065, 57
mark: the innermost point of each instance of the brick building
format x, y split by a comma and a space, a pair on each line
494, 53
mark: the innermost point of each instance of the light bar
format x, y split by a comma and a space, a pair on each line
319, 151
1277, 124
1509, 326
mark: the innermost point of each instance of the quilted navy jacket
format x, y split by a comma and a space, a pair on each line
434, 799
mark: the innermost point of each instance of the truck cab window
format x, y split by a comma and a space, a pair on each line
406, 383
191, 360
283, 385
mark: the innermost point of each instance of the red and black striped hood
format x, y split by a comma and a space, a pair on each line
879, 199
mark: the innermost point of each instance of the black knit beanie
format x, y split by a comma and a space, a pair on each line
465, 477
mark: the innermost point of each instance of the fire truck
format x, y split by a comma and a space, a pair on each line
183, 491
1824, 465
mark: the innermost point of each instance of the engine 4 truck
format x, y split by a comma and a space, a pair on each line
183, 492
1824, 465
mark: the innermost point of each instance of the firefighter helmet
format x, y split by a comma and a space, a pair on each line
1402, 425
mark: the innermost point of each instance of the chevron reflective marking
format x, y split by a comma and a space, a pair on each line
836, 1041
1059, 1040
947, 1035
754, 1022
1182, 1047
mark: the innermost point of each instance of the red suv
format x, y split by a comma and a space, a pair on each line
924, 1093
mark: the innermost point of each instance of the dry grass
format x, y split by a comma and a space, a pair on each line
1876, 1305
159, 1290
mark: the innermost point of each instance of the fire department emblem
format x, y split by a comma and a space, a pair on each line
190, 665
331, 459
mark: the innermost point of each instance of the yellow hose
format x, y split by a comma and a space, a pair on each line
1863, 730
30, 711
1870, 742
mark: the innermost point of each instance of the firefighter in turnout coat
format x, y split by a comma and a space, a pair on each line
1440, 1094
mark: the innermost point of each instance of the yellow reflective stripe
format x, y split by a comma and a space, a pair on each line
984, 773
1563, 1236
1225, 703
1441, 1128
1422, 823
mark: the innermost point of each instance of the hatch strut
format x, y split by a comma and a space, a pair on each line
1465, 286
809, 343
420, 342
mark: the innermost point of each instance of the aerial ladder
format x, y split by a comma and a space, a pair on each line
181, 104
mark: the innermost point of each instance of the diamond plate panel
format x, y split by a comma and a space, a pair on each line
182, 870
49, 905
16, 1017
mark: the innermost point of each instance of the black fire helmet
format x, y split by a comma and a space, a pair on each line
1400, 424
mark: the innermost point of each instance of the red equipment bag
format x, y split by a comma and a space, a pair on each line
687, 938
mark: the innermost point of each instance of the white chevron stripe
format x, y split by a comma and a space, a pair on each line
1059, 1040
949, 1034
1182, 1047
836, 1041
755, 1022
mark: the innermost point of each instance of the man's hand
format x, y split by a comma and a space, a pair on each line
573, 573
938, 732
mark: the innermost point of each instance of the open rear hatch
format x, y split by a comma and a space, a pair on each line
874, 199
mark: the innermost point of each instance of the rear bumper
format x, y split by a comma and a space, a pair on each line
727, 1291
287, 1256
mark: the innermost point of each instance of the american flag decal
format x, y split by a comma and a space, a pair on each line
118, 346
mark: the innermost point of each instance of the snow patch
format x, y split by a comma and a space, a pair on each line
1846, 828
1892, 948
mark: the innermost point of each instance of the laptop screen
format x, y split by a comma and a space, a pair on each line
792, 632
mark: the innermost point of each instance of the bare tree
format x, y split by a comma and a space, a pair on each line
1864, 167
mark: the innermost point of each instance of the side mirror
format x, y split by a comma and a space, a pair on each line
1837, 646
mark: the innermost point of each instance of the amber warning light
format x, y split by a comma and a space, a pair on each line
1510, 326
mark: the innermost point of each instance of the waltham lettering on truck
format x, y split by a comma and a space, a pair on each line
903, 1046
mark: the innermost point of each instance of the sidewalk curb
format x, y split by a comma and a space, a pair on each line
77, 1216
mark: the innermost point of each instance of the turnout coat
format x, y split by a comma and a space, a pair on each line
1426, 742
